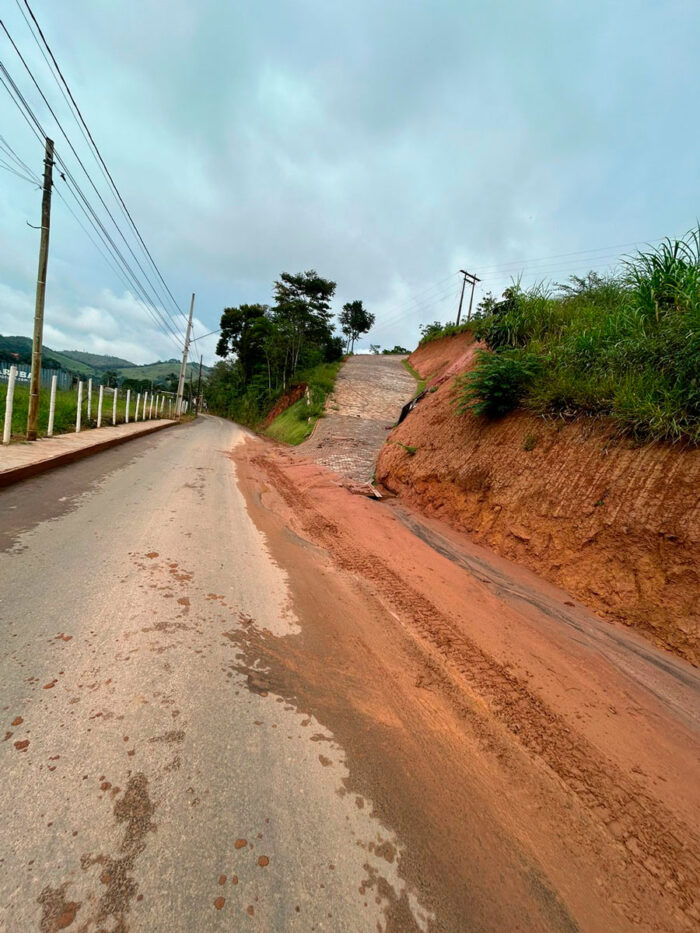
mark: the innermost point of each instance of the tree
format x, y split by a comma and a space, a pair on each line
302, 312
240, 335
110, 378
354, 321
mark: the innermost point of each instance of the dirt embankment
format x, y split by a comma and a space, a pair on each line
284, 402
616, 525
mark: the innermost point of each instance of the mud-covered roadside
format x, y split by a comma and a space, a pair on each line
535, 782
617, 525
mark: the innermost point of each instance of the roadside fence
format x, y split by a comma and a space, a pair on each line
71, 408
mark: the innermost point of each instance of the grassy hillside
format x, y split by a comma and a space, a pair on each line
625, 346
297, 422
23, 347
93, 364
97, 360
160, 370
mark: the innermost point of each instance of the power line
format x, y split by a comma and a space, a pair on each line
15, 172
35, 125
10, 152
82, 165
597, 249
97, 152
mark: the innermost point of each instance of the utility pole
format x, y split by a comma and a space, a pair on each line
472, 279
199, 385
181, 380
38, 338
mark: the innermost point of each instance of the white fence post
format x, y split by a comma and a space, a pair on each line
114, 406
89, 399
100, 399
144, 414
9, 399
128, 399
150, 409
79, 412
52, 404
138, 401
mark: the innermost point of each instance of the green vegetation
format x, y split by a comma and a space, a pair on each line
625, 346
268, 349
297, 422
436, 330
96, 360
162, 374
411, 451
355, 320
66, 409
416, 376
19, 350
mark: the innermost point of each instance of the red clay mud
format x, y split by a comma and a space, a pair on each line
568, 750
616, 525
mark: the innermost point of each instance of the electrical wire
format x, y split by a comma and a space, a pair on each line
82, 165
25, 109
95, 149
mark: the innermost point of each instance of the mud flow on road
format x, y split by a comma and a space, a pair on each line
237, 696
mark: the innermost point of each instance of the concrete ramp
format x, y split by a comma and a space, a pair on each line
369, 394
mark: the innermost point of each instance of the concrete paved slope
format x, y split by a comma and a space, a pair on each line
369, 394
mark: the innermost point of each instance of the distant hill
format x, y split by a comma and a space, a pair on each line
22, 346
97, 360
160, 370
93, 364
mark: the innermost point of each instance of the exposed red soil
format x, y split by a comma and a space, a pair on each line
503, 738
284, 402
615, 524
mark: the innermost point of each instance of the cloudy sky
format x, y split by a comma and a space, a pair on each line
386, 144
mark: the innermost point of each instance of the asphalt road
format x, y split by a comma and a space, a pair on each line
237, 697
146, 783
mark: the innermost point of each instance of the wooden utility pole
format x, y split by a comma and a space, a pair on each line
472, 279
183, 367
38, 338
199, 386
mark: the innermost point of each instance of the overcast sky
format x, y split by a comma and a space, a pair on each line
385, 144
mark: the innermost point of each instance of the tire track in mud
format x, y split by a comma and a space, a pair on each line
645, 833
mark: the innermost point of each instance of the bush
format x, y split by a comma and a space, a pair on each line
497, 384
436, 330
626, 345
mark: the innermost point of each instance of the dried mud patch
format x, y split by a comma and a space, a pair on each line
135, 809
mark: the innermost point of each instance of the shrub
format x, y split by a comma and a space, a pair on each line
498, 383
624, 345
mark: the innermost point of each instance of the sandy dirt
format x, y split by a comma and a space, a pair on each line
539, 764
615, 524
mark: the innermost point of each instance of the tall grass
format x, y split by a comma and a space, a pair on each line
297, 422
625, 345
66, 410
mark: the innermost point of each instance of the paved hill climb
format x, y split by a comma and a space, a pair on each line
367, 399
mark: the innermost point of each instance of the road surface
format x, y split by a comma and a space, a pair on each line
215, 722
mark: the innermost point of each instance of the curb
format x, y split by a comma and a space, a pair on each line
16, 475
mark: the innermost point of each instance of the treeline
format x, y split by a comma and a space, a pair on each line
266, 348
